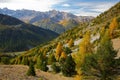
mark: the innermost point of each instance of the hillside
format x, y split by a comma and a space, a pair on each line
16, 35
108, 15
48, 20
51, 25
77, 32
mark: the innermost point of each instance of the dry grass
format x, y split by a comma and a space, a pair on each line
18, 72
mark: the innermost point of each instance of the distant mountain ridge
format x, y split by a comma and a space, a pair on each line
54, 17
16, 35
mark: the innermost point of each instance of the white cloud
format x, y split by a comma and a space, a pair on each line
93, 9
102, 7
81, 12
39, 5
66, 5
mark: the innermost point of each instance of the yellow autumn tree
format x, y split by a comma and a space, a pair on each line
85, 45
63, 55
71, 43
58, 51
85, 48
78, 77
112, 27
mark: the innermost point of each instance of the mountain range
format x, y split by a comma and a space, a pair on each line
52, 20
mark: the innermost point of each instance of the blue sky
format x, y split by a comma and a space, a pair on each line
77, 7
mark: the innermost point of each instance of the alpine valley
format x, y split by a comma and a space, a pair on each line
75, 47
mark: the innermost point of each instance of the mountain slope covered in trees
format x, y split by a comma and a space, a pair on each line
16, 35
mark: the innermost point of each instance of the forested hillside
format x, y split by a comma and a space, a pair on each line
16, 35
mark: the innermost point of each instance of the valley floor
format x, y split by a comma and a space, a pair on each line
18, 72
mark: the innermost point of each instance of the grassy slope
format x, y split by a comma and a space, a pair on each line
18, 72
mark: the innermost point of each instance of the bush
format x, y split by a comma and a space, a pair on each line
41, 63
67, 50
68, 68
55, 68
31, 70
5, 60
44, 67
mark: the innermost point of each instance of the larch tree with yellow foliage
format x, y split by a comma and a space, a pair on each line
85, 45
58, 51
78, 77
112, 27
62, 58
71, 43
63, 55
85, 48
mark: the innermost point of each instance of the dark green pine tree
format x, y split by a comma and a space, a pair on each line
31, 70
67, 50
55, 67
44, 66
68, 68
102, 64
